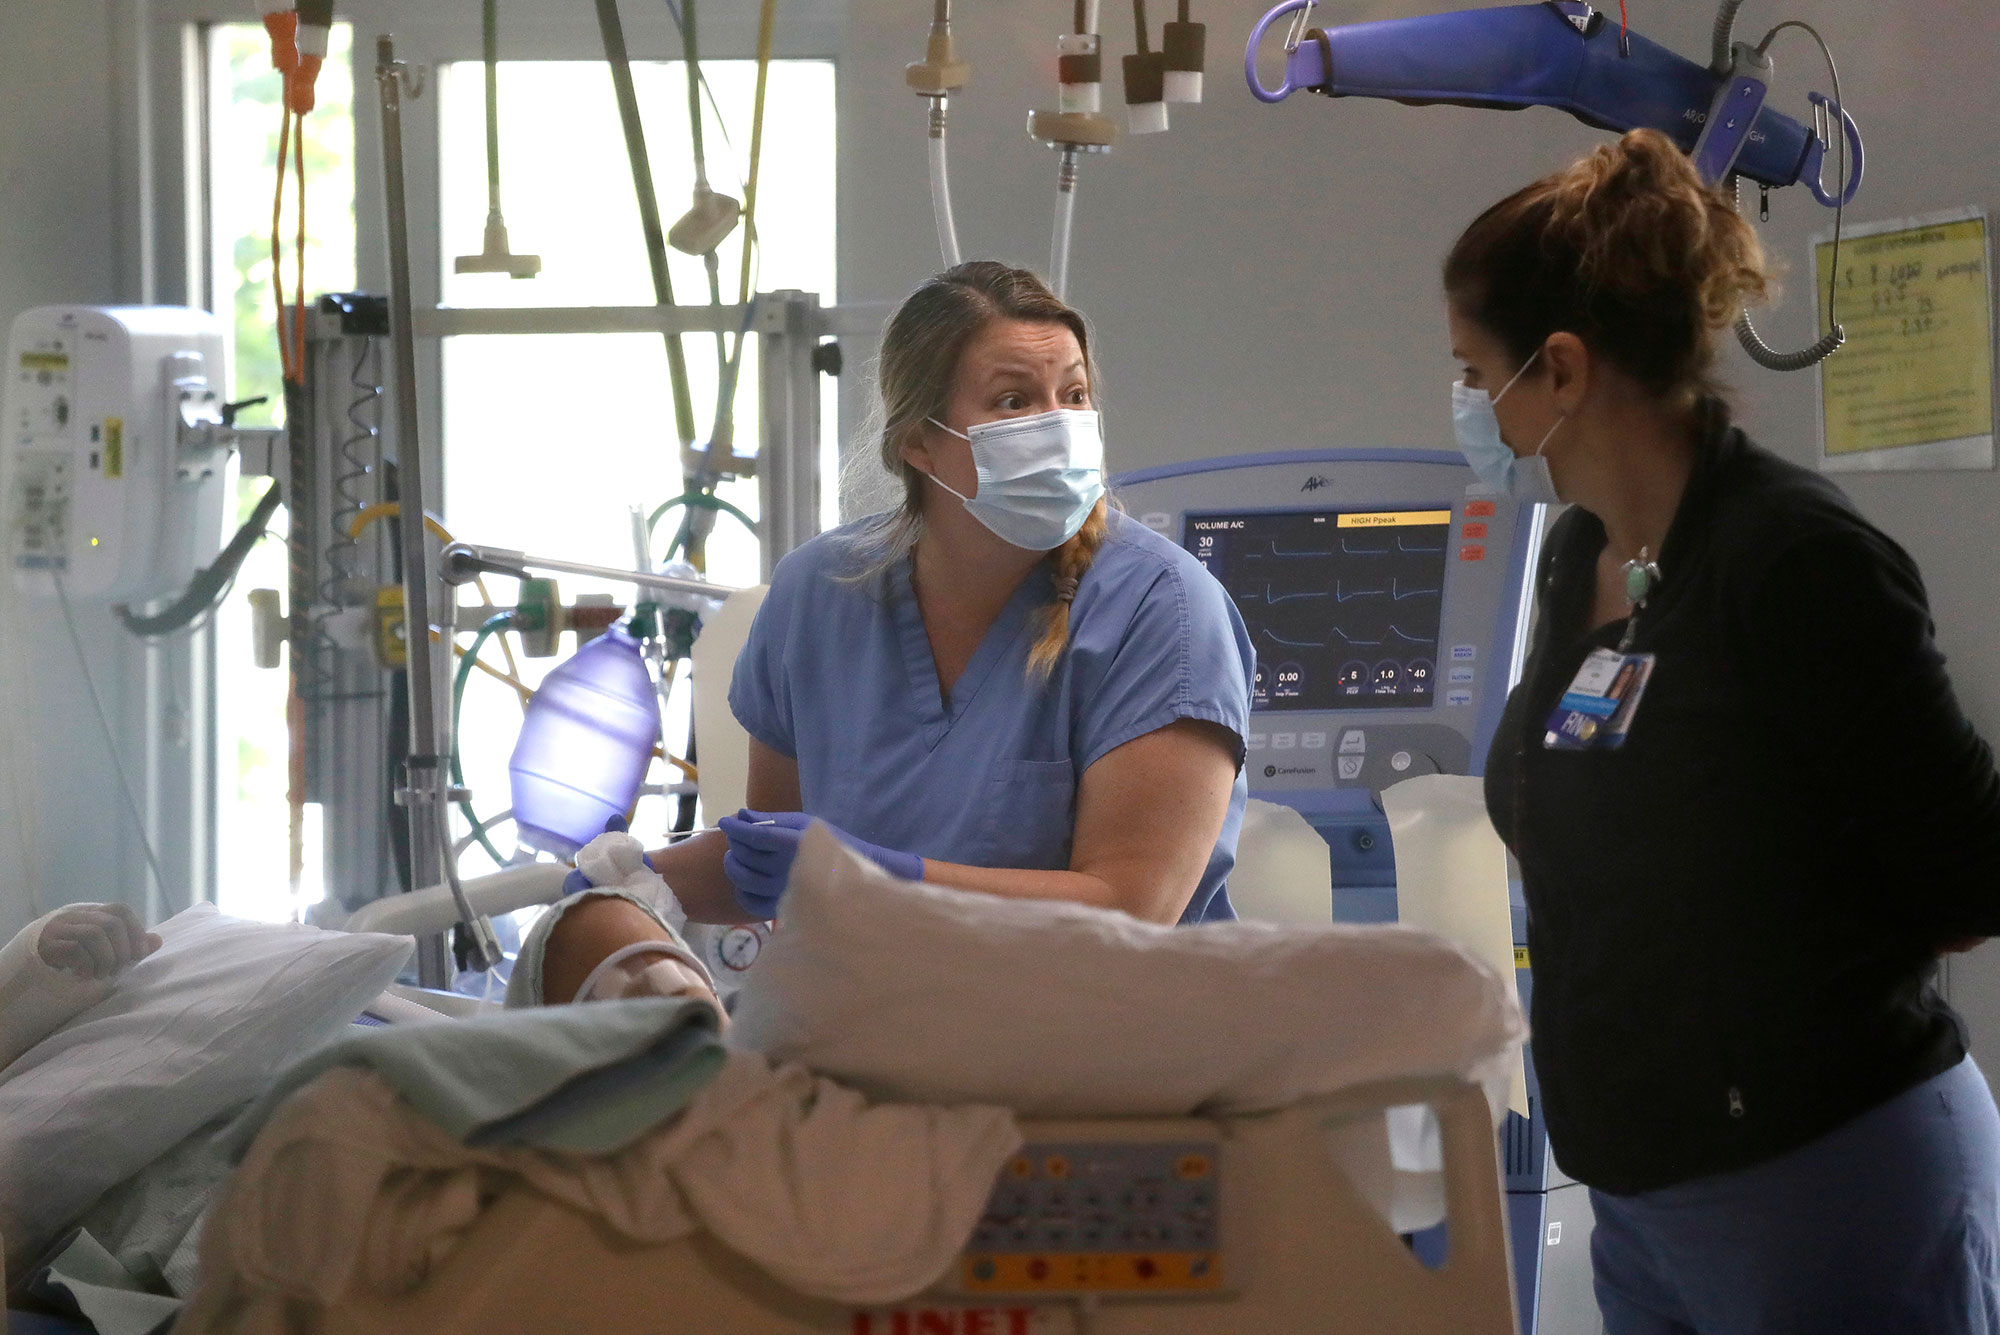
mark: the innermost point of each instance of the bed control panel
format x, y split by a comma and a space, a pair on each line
1101, 1217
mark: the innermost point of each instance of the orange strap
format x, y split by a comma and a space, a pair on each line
277, 247
299, 285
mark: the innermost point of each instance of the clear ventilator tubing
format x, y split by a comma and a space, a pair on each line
947, 229
1065, 213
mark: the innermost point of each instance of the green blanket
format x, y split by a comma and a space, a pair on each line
590, 1079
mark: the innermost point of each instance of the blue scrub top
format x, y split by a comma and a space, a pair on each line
839, 675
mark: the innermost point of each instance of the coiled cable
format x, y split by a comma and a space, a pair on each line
353, 468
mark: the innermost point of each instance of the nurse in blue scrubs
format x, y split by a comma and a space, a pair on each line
1004, 684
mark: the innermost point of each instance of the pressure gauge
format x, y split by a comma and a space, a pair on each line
739, 947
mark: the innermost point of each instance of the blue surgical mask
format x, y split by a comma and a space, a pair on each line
1039, 477
1478, 431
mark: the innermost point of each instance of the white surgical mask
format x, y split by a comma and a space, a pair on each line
1039, 477
1478, 430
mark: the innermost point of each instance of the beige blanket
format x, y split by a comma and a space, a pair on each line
349, 1191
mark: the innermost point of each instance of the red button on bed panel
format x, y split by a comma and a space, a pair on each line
1479, 509
1473, 531
1472, 553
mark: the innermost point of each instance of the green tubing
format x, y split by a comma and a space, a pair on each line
701, 500
491, 627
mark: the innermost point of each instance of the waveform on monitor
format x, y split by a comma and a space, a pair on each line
1342, 636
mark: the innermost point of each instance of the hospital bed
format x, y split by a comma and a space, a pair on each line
1287, 1220
1276, 1222
1290, 1220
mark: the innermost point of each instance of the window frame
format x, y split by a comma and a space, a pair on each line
165, 237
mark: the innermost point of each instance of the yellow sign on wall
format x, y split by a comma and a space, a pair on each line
1913, 385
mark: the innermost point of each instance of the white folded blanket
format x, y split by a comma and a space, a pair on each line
920, 992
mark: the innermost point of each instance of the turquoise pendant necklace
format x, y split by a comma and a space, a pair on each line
1642, 576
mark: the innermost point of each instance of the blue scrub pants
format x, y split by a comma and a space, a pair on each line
1888, 1225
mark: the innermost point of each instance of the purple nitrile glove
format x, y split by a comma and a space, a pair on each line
762, 845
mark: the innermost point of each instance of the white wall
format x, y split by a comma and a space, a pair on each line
57, 243
55, 158
1266, 277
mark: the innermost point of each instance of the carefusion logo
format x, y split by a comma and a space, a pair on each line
1289, 771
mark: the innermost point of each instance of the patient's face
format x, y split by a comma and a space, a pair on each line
655, 976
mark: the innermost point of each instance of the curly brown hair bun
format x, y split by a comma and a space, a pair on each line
1628, 249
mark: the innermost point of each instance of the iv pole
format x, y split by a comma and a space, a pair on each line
427, 788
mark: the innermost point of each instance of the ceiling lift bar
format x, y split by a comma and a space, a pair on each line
1564, 54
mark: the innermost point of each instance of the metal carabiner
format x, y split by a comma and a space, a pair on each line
1298, 32
1830, 119
1303, 9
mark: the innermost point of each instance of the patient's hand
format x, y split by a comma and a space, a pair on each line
95, 941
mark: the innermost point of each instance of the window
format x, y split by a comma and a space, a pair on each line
550, 440
253, 820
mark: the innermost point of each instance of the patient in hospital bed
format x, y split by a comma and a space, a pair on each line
624, 917
910, 1122
128, 1057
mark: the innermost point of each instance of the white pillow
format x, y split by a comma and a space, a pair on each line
201, 1026
917, 992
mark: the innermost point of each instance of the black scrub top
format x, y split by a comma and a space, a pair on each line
1734, 920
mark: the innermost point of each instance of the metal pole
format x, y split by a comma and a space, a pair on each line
461, 562
788, 463
489, 32
612, 30
424, 773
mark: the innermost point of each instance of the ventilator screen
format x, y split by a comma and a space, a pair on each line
1343, 607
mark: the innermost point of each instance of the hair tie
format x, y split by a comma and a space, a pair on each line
1066, 589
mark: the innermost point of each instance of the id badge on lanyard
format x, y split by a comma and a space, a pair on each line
1596, 712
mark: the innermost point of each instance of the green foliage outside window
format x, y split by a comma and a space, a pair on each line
244, 164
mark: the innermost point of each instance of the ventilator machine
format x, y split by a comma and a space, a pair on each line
1388, 595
